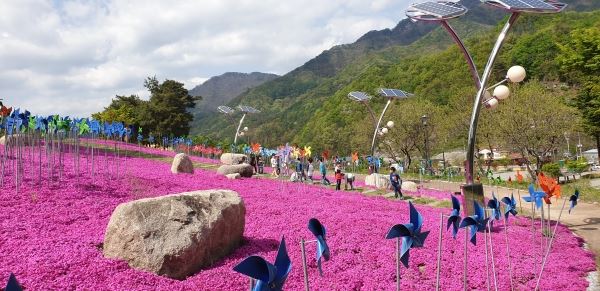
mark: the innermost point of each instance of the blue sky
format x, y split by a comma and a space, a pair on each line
72, 57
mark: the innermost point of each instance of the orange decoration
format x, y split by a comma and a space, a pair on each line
549, 186
326, 154
519, 177
355, 156
256, 147
5, 111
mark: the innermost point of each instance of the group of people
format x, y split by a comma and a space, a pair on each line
304, 170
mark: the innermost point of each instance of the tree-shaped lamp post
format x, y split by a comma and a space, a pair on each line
390, 94
442, 11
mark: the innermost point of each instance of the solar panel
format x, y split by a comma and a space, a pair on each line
359, 96
435, 10
248, 109
527, 5
225, 109
394, 93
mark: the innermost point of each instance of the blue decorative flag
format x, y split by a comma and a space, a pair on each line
270, 277
494, 205
477, 222
573, 200
510, 206
454, 218
410, 233
535, 196
13, 284
318, 230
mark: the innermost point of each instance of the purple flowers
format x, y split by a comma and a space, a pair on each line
51, 237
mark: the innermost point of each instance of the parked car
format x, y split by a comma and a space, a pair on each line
595, 167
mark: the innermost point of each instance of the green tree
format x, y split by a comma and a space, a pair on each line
167, 111
532, 122
580, 62
126, 109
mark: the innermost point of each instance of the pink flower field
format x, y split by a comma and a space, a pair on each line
51, 236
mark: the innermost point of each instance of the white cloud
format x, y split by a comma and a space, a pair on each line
71, 57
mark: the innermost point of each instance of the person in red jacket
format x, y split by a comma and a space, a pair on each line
338, 179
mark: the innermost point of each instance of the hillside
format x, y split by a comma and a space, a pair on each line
309, 103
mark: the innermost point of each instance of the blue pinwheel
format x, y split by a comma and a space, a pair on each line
318, 230
573, 200
454, 218
510, 206
535, 196
477, 222
270, 277
494, 205
410, 233
13, 284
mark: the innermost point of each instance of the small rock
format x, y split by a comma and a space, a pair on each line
233, 176
182, 164
378, 180
245, 170
409, 186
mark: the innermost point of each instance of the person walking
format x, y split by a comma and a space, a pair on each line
323, 170
396, 183
310, 169
299, 170
275, 166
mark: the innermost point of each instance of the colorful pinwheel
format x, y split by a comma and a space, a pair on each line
573, 200
410, 233
549, 186
355, 156
13, 284
454, 218
477, 222
270, 277
307, 151
535, 196
494, 205
510, 206
318, 230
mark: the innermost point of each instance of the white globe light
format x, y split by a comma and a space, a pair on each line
384, 130
491, 103
516, 74
390, 124
501, 92
245, 128
242, 133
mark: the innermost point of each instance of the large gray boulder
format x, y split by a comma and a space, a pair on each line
232, 159
379, 181
182, 164
176, 235
245, 170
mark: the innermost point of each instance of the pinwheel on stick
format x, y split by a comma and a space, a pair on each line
412, 237
323, 252
510, 207
269, 277
573, 202
454, 221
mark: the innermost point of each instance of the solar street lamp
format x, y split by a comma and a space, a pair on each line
390, 94
245, 110
442, 11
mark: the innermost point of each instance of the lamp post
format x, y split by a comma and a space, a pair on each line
441, 12
424, 120
390, 94
228, 111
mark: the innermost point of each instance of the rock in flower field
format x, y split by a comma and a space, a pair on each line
51, 236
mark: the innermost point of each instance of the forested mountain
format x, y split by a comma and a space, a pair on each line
309, 104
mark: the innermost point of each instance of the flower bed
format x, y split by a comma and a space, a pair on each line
52, 235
